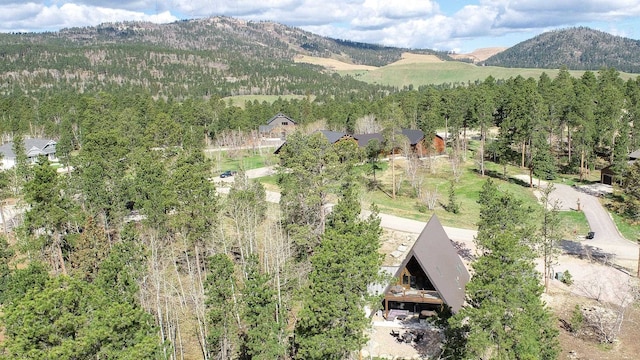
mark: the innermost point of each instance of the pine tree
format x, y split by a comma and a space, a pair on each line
220, 290
263, 337
310, 168
71, 319
550, 235
505, 319
632, 191
332, 320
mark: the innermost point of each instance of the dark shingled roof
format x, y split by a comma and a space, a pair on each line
414, 136
438, 258
333, 136
363, 139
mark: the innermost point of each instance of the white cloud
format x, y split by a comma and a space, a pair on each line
407, 23
51, 18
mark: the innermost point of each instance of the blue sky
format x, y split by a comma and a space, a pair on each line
458, 25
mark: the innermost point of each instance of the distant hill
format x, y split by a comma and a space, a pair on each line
576, 48
202, 57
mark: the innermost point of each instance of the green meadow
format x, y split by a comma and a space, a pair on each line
431, 73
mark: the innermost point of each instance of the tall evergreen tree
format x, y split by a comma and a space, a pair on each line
332, 321
220, 290
550, 235
632, 191
48, 215
263, 337
310, 171
505, 319
71, 319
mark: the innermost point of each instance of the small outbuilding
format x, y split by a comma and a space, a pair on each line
609, 177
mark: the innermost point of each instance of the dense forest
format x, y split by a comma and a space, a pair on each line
132, 253
576, 48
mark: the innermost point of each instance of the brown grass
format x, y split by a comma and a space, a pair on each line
409, 58
479, 54
331, 64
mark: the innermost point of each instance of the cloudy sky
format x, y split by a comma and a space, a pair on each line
459, 25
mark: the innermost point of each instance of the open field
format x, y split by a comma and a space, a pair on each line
240, 100
331, 64
416, 70
448, 72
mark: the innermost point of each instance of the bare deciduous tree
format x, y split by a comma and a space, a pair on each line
367, 125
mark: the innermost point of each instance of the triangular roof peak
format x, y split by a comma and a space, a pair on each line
440, 261
280, 116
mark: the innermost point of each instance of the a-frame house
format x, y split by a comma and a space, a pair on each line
432, 274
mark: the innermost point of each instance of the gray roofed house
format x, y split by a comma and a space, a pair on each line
363, 139
278, 127
414, 135
334, 136
33, 148
635, 155
431, 275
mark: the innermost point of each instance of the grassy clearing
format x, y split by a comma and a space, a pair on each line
240, 100
467, 191
425, 73
438, 180
241, 160
629, 231
573, 223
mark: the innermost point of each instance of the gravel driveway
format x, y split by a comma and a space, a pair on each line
606, 236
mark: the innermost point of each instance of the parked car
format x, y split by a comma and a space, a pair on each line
591, 235
227, 173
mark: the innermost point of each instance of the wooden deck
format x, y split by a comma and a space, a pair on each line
412, 296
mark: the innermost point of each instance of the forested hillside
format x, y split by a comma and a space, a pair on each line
577, 49
207, 57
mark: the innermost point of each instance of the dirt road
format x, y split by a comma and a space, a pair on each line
606, 237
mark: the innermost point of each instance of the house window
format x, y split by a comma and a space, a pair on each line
409, 280
285, 123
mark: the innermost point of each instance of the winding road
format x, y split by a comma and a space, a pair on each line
607, 238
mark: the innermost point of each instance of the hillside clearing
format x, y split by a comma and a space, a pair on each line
331, 64
410, 58
479, 54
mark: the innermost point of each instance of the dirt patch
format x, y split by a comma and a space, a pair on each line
409, 339
331, 64
479, 55
572, 346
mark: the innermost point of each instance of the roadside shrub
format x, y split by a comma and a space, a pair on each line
567, 279
577, 320
422, 208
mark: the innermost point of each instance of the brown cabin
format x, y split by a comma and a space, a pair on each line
432, 275
278, 126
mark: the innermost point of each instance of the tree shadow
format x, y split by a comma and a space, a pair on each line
500, 176
587, 252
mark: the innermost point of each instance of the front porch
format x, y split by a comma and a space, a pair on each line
412, 300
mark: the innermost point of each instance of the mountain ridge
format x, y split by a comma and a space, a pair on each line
578, 48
